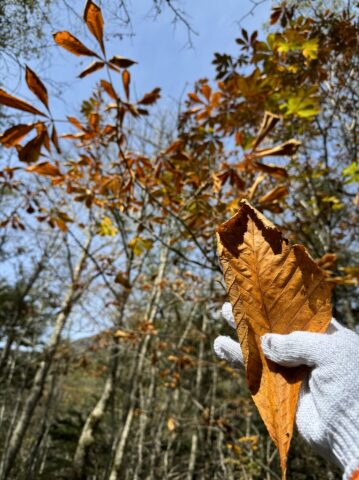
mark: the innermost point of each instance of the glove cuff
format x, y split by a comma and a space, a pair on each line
346, 447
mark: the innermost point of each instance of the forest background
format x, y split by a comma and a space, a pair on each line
111, 191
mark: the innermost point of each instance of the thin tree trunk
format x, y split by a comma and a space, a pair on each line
35, 393
150, 316
194, 441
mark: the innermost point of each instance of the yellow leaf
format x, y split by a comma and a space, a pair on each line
171, 424
310, 49
106, 228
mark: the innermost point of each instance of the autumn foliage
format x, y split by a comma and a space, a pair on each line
262, 152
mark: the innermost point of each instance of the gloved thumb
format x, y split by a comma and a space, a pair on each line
297, 348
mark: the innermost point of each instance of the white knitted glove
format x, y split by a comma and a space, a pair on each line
328, 407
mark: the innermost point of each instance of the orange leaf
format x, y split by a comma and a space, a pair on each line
194, 97
73, 44
45, 168
93, 67
94, 22
76, 123
36, 86
12, 136
206, 90
126, 78
276, 287
109, 89
14, 102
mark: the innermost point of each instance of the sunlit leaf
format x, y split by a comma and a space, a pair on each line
45, 168
94, 22
14, 102
13, 135
107, 228
73, 44
126, 78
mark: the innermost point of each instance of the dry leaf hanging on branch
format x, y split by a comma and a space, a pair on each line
274, 287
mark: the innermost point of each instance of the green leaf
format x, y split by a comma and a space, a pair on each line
352, 171
303, 107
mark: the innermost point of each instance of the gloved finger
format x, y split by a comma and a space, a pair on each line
227, 314
227, 349
334, 326
297, 348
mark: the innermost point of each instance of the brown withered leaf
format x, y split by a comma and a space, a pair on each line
45, 168
151, 97
287, 148
30, 152
277, 193
109, 89
55, 139
73, 44
13, 135
14, 102
93, 67
36, 86
269, 122
272, 170
121, 62
275, 287
94, 22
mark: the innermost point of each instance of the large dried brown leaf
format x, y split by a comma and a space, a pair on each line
14, 102
273, 287
94, 22
73, 44
36, 86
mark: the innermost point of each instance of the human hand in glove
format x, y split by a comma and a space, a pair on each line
328, 406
